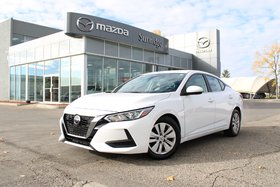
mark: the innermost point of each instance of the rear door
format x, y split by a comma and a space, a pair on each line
221, 97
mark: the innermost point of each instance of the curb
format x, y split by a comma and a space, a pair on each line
34, 105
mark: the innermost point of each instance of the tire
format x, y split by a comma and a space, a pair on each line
235, 124
164, 139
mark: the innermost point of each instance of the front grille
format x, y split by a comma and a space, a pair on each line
80, 129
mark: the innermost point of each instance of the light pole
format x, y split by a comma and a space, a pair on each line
276, 59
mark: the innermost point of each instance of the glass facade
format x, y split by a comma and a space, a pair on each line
57, 80
62, 68
104, 74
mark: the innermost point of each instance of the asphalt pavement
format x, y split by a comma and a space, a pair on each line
30, 155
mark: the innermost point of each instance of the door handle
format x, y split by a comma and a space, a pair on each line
230, 97
210, 100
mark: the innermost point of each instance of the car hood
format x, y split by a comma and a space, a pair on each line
106, 103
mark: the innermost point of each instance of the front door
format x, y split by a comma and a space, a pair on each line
51, 88
199, 109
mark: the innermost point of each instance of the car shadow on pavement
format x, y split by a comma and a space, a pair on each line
251, 142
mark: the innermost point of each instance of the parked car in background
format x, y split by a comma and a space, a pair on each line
258, 95
153, 113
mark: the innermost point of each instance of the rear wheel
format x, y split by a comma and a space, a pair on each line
235, 124
164, 138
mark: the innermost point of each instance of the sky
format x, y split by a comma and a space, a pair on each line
246, 26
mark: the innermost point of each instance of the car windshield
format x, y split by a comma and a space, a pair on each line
152, 83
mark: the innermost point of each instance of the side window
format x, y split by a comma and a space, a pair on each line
197, 80
214, 83
222, 85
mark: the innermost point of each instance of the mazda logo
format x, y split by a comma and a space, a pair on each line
85, 24
77, 119
203, 42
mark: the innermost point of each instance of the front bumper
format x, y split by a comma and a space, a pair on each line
126, 137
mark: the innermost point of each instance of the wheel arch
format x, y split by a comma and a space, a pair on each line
239, 110
172, 117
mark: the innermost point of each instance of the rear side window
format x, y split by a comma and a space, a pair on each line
214, 83
222, 85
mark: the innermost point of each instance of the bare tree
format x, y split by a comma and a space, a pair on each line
267, 64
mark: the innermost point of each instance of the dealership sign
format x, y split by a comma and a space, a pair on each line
85, 24
203, 45
79, 25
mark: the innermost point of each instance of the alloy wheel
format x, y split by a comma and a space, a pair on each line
162, 138
235, 122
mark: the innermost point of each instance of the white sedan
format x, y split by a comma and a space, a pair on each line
153, 113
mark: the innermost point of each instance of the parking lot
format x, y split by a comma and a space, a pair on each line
30, 155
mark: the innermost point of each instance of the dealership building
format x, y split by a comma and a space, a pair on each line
93, 54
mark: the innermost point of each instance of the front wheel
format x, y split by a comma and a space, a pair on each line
164, 138
235, 124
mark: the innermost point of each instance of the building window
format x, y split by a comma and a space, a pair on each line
184, 63
17, 83
39, 81
161, 68
123, 71
125, 51
12, 83
77, 64
149, 56
148, 68
176, 61
52, 67
137, 54
65, 79
190, 64
31, 81
159, 58
17, 39
111, 49
95, 46
94, 73
110, 74
136, 69
168, 60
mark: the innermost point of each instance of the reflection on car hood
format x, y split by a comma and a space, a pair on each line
104, 103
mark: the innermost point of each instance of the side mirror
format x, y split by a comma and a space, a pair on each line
194, 90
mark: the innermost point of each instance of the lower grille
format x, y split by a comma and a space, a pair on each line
76, 140
79, 129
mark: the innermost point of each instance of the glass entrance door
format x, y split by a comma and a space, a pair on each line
51, 88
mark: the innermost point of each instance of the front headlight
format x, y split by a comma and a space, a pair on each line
129, 115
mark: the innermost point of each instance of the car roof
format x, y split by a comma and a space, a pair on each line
181, 71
